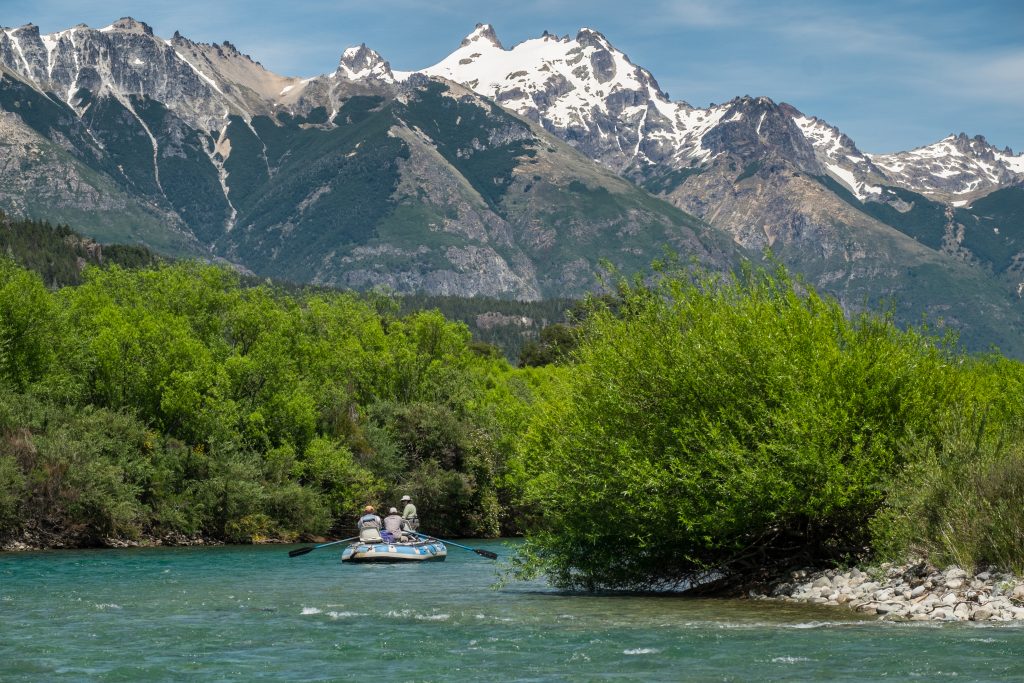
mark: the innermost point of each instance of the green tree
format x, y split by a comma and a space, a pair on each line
723, 424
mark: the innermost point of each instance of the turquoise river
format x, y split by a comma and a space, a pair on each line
253, 613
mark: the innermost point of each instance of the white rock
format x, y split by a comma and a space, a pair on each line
821, 581
917, 591
953, 584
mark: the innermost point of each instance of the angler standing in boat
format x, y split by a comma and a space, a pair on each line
409, 514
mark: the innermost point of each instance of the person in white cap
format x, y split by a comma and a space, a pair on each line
409, 514
395, 526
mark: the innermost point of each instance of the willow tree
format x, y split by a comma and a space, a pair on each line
721, 425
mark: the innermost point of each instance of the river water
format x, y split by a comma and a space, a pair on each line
253, 613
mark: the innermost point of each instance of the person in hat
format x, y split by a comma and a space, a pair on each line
395, 526
409, 514
369, 525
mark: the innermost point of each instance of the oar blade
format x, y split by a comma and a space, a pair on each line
485, 553
301, 551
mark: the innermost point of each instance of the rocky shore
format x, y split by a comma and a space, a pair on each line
913, 592
30, 541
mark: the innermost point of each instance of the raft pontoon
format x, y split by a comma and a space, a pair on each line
426, 550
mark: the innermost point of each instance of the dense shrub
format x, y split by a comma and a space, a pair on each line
176, 399
726, 424
962, 500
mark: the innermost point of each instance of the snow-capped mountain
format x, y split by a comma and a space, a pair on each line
591, 94
956, 169
355, 177
420, 181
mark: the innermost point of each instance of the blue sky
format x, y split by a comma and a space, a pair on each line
891, 74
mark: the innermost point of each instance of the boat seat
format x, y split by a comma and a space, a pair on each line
370, 535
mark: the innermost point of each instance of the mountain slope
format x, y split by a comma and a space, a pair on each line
863, 227
352, 178
365, 177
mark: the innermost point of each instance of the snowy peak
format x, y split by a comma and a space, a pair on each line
581, 88
839, 156
957, 168
362, 63
201, 83
588, 37
483, 33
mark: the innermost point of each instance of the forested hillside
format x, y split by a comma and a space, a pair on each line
59, 254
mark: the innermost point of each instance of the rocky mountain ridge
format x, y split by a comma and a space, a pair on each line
587, 91
476, 176
353, 178
767, 173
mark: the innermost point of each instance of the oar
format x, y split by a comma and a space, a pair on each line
311, 548
482, 553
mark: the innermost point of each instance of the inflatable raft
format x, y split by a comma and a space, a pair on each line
419, 551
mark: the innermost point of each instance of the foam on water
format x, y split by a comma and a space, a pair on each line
433, 617
790, 660
641, 651
311, 610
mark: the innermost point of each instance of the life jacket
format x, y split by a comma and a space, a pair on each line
369, 521
370, 535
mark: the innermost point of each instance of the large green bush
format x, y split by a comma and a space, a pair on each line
726, 424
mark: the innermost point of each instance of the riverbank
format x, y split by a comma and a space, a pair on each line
29, 542
913, 591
